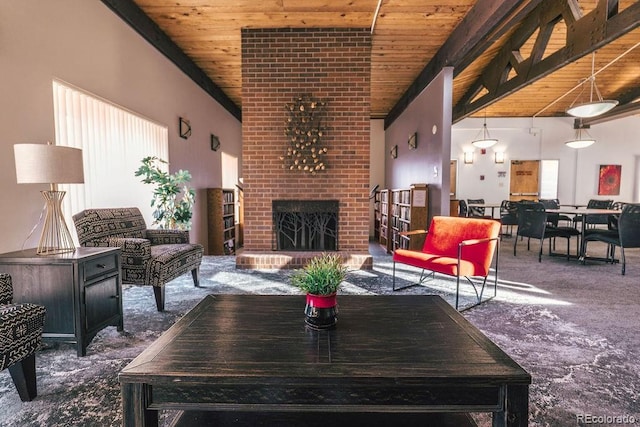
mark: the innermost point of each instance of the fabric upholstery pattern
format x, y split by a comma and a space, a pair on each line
149, 257
21, 326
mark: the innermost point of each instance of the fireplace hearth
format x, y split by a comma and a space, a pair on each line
305, 225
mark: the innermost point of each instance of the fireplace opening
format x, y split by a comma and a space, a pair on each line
305, 225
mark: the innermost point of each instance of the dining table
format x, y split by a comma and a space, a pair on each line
584, 212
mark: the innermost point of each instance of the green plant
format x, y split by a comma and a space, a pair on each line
322, 275
171, 211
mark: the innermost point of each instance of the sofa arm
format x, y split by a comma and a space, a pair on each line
6, 289
167, 237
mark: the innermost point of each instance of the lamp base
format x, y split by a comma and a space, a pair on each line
55, 238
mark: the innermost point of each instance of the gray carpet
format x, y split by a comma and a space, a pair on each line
573, 327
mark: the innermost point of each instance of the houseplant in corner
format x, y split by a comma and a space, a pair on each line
320, 279
170, 212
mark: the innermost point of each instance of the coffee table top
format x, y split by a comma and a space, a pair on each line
396, 338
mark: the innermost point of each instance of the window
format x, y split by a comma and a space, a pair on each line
549, 179
113, 142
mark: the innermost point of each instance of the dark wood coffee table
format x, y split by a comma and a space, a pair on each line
388, 354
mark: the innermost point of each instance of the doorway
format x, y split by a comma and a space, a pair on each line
524, 182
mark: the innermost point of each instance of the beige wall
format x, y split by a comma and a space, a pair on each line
429, 115
84, 43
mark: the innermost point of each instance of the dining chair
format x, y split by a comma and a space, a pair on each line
627, 234
508, 216
532, 224
555, 218
463, 209
595, 219
477, 211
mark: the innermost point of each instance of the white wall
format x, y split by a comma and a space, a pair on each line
617, 142
84, 43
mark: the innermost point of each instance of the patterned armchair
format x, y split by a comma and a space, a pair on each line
149, 257
21, 328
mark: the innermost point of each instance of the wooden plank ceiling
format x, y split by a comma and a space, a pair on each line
408, 34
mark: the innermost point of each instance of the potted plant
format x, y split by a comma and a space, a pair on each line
170, 211
320, 279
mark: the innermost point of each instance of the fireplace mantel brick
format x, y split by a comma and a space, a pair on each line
332, 65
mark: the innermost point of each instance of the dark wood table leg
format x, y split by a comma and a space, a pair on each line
516, 408
135, 406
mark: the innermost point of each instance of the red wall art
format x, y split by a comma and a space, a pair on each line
609, 180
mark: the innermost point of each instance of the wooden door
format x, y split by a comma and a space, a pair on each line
453, 178
524, 183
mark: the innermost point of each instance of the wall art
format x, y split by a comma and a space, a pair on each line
609, 180
304, 131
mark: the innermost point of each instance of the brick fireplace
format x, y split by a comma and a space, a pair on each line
331, 65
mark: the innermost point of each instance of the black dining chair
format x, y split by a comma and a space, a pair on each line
627, 234
462, 208
555, 218
595, 220
477, 211
508, 216
532, 224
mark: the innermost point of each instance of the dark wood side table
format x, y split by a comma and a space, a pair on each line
81, 291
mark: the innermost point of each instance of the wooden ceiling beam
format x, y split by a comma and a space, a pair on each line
481, 27
584, 35
129, 12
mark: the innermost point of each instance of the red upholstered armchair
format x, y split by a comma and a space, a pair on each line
458, 247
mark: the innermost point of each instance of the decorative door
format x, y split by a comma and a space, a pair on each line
525, 180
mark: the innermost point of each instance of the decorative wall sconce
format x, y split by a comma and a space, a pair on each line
184, 128
215, 142
413, 141
468, 157
394, 152
499, 156
304, 131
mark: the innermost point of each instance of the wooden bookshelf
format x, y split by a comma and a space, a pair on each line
221, 221
408, 211
381, 218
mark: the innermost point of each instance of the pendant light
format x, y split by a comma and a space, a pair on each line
591, 108
485, 141
582, 138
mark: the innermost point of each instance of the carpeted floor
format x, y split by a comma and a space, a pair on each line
573, 327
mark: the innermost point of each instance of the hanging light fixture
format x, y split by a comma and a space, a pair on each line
591, 108
582, 138
485, 141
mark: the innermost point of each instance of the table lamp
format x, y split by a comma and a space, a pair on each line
53, 165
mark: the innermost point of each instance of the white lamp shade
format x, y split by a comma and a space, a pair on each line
592, 109
580, 143
48, 164
484, 143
